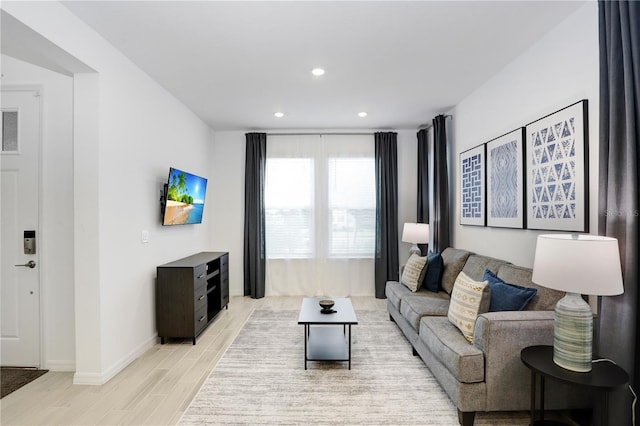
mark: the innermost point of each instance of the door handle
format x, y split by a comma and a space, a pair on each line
30, 264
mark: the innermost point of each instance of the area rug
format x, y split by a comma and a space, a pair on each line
12, 379
261, 380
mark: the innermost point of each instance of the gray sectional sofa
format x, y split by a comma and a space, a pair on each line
486, 375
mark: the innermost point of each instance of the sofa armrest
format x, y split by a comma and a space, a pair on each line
501, 336
508, 330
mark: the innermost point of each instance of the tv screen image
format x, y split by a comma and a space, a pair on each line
184, 201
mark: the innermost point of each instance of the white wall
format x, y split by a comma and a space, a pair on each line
407, 185
55, 240
227, 199
133, 133
559, 70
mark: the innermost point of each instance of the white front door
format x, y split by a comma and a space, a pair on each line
20, 285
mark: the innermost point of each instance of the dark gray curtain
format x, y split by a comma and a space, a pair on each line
386, 261
254, 222
619, 23
439, 218
423, 181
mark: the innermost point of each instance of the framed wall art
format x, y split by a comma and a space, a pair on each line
505, 180
472, 186
557, 170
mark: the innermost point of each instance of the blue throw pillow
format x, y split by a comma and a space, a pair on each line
435, 267
505, 296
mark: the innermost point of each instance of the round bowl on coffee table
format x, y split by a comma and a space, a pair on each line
326, 304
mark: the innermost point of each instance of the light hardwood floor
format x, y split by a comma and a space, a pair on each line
153, 390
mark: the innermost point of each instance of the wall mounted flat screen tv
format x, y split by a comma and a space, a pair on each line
184, 198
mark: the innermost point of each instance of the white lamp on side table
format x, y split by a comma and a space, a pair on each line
415, 233
576, 264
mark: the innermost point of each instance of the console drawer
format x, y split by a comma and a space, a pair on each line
200, 319
200, 297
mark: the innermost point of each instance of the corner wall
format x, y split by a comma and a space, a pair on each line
131, 131
560, 69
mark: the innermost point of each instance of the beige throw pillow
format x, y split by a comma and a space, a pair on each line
412, 272
469, 298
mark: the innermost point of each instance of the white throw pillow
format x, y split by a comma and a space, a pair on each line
412, 272
469, 298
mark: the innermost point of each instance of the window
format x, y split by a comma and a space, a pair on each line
320, 197
9, 131
288, 203
352, 207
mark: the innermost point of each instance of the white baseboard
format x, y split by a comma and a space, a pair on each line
59, 365
101, 378
88, 379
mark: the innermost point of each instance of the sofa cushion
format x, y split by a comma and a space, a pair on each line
433, 274
394, 292
545, 298
468, 299
464, 361
505, 296
454, 260
476, 264
413, 271
415, 306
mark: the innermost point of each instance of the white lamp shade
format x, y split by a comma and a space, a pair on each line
583, 264
416, 233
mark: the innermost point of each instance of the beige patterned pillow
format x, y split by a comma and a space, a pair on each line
468, 299
412, 271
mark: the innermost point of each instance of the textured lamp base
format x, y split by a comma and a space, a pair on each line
573, 334
415, 249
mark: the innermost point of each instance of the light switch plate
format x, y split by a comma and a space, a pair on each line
144, 237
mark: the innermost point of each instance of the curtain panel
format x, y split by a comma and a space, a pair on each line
439, 230
422, 214
423, 176
254, 219
619, 203
386, 257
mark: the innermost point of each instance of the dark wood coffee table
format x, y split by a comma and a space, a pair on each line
323, 341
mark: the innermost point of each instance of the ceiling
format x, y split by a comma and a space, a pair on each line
235, 63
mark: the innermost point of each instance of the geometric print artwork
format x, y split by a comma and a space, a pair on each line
472, 175
505, 181
557, 177
472, 186
553, 165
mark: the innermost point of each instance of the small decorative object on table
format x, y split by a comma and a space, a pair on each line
326, 305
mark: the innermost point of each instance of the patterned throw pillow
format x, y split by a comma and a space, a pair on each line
468, 299
412, 271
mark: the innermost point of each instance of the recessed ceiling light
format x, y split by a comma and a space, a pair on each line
317, 72
362, 114
278, 114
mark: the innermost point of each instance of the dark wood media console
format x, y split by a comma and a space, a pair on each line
189, 294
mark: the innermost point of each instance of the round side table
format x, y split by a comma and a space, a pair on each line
604, 377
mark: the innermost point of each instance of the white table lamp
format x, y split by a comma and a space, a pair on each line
415, 233
577, 265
